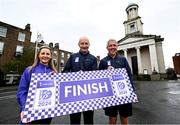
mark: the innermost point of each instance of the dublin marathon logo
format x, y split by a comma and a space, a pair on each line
45, 93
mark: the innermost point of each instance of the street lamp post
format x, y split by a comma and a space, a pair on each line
36, 45
39, 38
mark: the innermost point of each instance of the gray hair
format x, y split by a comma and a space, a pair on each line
110, 41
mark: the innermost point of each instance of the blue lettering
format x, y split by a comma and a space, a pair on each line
117, 77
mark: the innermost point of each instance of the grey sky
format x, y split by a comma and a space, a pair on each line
64, 21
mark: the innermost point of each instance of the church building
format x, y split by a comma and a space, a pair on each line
143, 52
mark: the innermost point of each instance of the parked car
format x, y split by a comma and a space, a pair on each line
12, 78
2, 81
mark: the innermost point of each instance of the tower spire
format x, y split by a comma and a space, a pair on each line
133, 25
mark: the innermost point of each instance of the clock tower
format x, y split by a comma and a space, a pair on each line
133, 25
143, 52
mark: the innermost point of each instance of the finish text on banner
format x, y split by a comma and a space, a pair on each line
85, 89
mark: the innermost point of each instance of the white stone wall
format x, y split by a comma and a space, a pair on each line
150, 52
130, 53
145, 58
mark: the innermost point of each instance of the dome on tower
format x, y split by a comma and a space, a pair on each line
131, 5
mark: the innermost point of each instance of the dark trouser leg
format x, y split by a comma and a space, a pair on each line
42, 121
88, 117
75, 118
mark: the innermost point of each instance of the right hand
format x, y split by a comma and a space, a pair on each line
21, 116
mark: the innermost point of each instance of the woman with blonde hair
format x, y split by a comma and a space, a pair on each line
42, 64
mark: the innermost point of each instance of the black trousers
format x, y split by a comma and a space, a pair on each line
41, 121
88, 117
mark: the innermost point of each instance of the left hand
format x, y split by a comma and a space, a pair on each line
110, 67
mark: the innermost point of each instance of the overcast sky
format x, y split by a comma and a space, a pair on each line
64, 21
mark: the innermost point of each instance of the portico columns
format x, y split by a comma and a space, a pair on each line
139, 59
125, 53
153, 57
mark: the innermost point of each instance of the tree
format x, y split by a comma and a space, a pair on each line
171, 75
19, 63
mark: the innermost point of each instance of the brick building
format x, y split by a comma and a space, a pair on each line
13, 41
176, 62
60, 56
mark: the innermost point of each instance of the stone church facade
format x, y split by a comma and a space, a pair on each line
143, 52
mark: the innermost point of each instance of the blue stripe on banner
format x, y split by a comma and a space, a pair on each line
117, 77
45, 83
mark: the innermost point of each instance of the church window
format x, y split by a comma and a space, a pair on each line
132, 27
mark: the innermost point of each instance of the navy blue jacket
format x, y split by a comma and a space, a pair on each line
25, 81
79, 61
117, 62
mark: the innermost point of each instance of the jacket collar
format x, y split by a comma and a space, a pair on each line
42, 65
84, 53
114, 57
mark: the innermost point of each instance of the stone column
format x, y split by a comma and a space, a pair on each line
160, 57
139, 60
125, 53
153, 58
